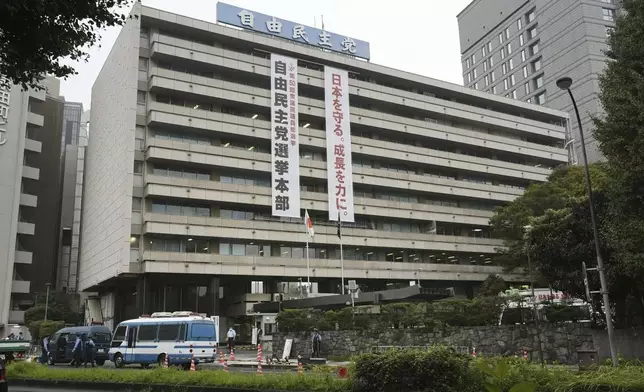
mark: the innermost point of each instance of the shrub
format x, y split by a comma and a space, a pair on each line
294, 320
436, 370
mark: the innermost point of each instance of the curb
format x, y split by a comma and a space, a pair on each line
118, 387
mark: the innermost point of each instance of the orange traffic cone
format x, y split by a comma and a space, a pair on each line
221, 356
259, 369
165, 361
232, 355
300, 369
226, 366
192, 364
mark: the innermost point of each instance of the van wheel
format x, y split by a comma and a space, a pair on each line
185, 366
118, 360
161, 360
100, 363
145, 365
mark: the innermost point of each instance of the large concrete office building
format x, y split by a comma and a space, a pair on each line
180, 209
30, 125
518, 49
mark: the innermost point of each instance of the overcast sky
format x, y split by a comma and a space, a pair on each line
419, 36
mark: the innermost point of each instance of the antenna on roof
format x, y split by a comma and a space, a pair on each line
322, 18
315, 23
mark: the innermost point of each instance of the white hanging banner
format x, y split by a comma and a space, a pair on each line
338, 144
285, 150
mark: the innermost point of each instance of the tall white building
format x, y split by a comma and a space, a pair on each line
184, 199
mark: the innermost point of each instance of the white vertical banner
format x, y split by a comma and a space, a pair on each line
285, 149
338, 144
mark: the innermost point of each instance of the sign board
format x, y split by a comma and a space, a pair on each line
291, 31
285, 149
288, 345
352, 285
338, 145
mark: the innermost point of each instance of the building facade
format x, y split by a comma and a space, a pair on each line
518, 49
179, 204
73, 145
29, 121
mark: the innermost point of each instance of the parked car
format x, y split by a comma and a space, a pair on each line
14, 349
4, 386
61, 344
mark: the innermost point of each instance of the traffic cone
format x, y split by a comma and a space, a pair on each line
192, 363
300, 369
226, 366
259, 353
474, 352
165, 360
525, 354
259, 369
232, 355
221, 356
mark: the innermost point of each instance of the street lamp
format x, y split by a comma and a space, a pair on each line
564, 84
535, 312
47, 300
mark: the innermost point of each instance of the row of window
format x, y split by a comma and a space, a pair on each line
506, 67
316, 252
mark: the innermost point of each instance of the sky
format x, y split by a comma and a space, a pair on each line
419, 36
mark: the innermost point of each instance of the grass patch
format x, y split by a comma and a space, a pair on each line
205, 378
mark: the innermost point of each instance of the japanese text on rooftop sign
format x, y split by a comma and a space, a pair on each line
285, 150
338, 144
5, 100
255, 21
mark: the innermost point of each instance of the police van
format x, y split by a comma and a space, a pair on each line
179, 336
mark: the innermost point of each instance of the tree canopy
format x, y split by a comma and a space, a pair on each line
37, 35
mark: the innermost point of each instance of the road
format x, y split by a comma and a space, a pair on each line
53, 389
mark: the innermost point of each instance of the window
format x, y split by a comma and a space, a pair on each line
168, 332
502, 53
512, 80
525, 72
119, 334
492, 74
527, 88
138, 167
608, 14
469, 77
474, 75
140, 96
476, 85
523, 55
4, 97
510, 48
540, 99
487, 80
483, 51
505, 83
491, 61
538, 82
511, 64
519, 24
507, 33
202, 331
494, 90
147, 333
532, 33
536, 65
521, 42
514, 94
467, 63
473, 58
534, 49
136, 204
531, 16
484, 66
504, 68
500, 38
489, 46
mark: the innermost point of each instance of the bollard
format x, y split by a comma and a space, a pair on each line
221, 356
259, 369
166, 361
259, 353
192, 360
300, 369
525, 354
226, 366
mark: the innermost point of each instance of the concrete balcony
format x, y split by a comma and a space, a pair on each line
215, 264
17, 317
33, 145
20, 286
40, 95
28, 200
26, 228
23, 257
30, 172
35, 119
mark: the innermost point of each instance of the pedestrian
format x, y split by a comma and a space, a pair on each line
45, 350
21, 336
231, 339
11, 336
89, 351
78, 351
316, 339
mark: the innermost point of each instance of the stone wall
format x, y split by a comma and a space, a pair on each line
559, 343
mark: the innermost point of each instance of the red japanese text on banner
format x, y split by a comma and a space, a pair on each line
338, 144
285, 151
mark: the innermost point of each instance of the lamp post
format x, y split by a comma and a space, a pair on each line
564, 84
47, 300
535, 312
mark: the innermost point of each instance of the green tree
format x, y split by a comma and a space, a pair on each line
492, 286
59, 307
37, 35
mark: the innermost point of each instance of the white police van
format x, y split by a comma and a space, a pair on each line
179, 336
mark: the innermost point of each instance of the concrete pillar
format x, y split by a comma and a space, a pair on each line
214, 291
143, 302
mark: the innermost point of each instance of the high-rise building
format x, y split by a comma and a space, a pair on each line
518, 49
200, 132
73, 145
30, 127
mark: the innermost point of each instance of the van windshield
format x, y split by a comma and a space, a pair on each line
202, 331
101, 337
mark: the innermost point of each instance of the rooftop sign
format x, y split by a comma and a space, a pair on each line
292, 31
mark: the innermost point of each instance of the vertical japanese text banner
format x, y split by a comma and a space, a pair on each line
285, 151
338, 144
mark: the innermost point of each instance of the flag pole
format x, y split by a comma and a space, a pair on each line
308, 265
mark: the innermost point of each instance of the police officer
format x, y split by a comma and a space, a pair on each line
89, 351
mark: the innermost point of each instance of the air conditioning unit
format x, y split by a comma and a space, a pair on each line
277, 297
